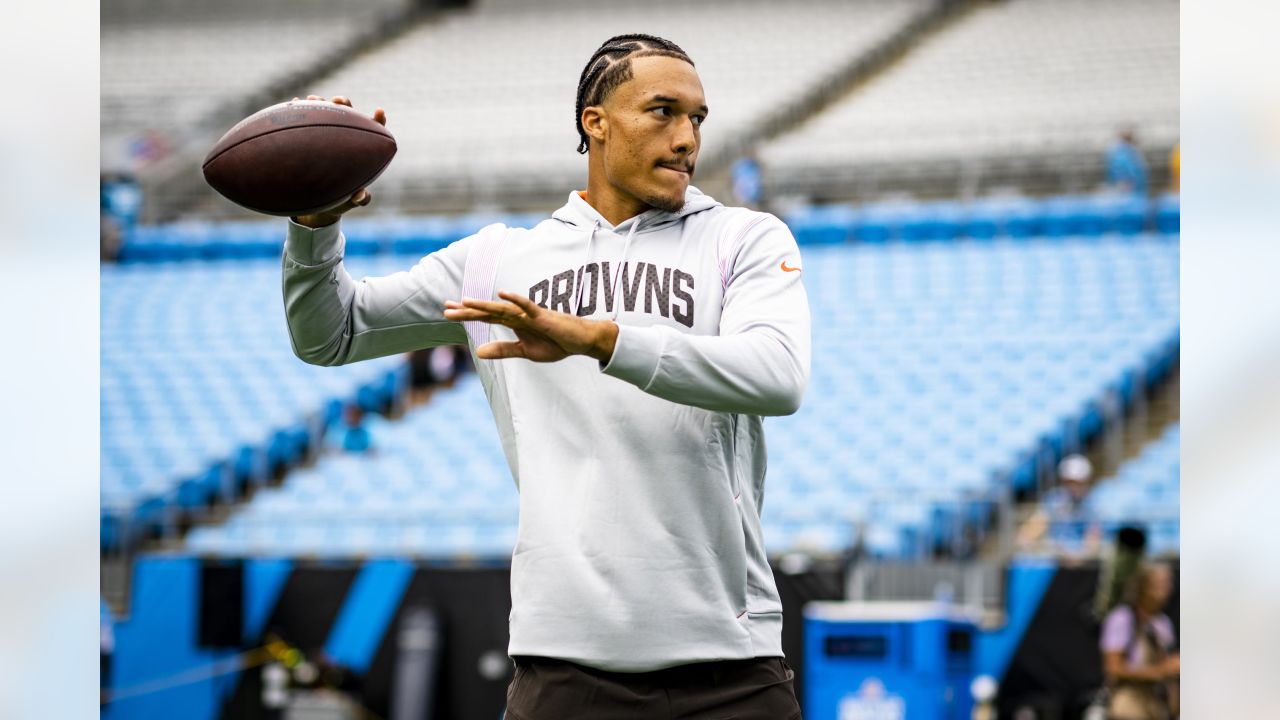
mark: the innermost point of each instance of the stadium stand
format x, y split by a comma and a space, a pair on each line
1006, 90
1000, 216
167, 66
481, 104
944, 374
201, 394
1144, 492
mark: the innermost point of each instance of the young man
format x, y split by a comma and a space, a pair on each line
636, 341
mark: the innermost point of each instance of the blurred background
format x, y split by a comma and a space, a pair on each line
986, 197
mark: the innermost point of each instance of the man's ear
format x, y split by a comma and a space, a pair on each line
595, 123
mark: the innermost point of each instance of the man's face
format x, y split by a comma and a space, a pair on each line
652, 131
1158, 587
1078, 489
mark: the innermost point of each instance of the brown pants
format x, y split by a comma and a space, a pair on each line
754, 689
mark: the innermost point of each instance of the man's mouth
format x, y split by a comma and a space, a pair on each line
678, 167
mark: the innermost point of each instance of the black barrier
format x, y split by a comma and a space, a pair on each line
1054, 668
302, 617
1058, 665
470, 607
290, 611
221, 612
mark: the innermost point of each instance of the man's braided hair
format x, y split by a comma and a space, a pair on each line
610, 66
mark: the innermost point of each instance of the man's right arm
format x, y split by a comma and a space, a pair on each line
334, 320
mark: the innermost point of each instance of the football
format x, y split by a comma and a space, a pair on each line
298, 157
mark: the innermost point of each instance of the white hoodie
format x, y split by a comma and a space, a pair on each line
642, 479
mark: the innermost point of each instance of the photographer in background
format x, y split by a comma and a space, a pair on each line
1139, 650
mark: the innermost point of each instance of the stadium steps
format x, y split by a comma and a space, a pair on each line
1136, 430
1140, 428
1143, 425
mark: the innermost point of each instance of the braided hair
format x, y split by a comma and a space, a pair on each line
610, 66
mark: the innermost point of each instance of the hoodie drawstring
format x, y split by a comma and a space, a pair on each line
617, 278
617, 274
582, 267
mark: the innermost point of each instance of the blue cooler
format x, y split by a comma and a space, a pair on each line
887, 661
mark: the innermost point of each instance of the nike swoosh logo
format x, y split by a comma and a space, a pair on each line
788, 269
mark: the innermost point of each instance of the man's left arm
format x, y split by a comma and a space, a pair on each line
758, 364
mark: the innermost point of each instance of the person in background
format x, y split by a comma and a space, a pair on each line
110, 238
748, 180
1139, 650
1175, 168
1119, 566
120, 200
352, 433
1064, 521
1126, 168
106, 646
430, 368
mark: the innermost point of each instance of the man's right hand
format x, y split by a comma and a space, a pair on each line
360, 198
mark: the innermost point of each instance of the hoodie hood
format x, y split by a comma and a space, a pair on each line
578, 213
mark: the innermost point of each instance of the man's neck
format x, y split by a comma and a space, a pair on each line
613, 205
616, 212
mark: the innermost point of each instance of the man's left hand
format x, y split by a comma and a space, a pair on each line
542, 335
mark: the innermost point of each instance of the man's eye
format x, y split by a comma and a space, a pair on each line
698, 119
663, 109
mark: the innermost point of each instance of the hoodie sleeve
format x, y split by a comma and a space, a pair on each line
758, 364
334, 320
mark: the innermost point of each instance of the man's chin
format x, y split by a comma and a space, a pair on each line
668, 202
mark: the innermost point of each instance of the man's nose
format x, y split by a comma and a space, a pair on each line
685, 139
